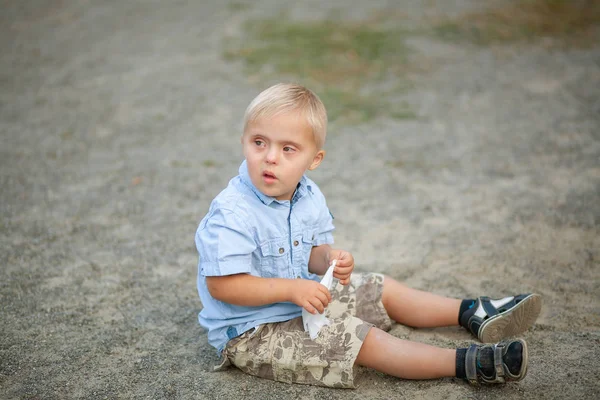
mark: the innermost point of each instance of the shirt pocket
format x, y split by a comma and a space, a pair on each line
275, 255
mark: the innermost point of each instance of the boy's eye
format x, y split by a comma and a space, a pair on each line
258, 142
288, 149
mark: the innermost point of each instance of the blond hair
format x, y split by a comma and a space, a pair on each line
285, 97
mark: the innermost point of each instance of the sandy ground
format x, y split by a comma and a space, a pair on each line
120, 121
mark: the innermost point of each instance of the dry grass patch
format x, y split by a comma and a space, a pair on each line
575, 22
337, 59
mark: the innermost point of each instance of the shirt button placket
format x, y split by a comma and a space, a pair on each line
297, 253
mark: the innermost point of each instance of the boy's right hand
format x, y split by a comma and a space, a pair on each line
310, 295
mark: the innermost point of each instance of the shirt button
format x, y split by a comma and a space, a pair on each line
295, 243
281, 250
313, 237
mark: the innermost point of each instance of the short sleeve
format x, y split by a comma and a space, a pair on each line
325, 227
224, 244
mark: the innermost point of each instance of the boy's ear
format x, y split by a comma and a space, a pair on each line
317, 160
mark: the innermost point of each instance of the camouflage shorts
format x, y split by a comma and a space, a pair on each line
284, 352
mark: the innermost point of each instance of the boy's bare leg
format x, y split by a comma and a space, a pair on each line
410, 360
404, 359
417, 308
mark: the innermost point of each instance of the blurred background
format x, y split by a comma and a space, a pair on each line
463, 157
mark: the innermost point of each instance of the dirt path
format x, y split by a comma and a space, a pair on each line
120, 122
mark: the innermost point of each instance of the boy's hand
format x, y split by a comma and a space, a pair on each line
344, 265
310, 295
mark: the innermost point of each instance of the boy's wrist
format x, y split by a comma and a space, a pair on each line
293, 290
289, 290
285, 289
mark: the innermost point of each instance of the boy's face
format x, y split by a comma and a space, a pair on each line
278, 152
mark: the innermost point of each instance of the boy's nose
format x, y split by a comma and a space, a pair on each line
272, 156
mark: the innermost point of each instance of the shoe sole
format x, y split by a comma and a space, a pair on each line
511, 322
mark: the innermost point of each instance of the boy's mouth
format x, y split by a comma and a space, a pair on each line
269, 176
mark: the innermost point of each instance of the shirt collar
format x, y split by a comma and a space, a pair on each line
301, 189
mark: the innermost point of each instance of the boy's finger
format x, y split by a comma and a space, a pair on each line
344, 263
342, 272
323, 298
339, 268
316, 303
339, 262
344, 279
308, 307
327, 293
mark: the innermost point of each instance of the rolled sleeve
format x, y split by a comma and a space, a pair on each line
324, 234
323, 238
225, 245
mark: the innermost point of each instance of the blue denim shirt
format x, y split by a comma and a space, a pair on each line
248, 232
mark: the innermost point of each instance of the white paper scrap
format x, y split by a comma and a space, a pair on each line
314, 322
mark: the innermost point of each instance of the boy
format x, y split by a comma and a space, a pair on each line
264, 243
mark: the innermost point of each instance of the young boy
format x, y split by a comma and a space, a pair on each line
264, 243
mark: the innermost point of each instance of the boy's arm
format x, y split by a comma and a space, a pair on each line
249, 290
319, 259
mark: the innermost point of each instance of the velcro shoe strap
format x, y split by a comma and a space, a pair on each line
471, 364
475, 324
499, 363
490, 310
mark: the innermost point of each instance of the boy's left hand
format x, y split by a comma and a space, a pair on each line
343, 267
